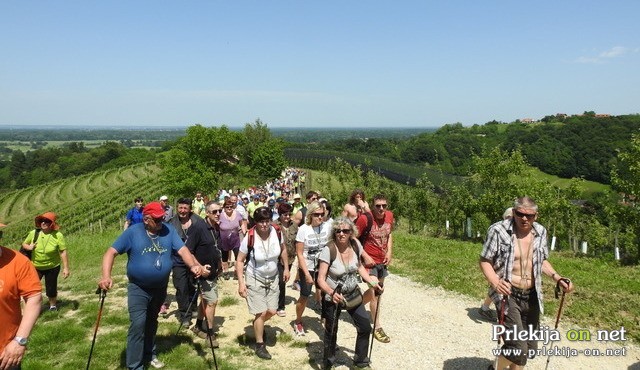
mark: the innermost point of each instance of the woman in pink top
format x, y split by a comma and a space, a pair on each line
231, 225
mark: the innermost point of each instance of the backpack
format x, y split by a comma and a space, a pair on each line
29, 253
252, 236
367, 230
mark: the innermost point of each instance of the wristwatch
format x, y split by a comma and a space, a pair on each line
21, 340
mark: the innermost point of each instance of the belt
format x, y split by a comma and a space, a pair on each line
522, 293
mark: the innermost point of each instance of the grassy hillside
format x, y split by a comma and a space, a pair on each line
86, 203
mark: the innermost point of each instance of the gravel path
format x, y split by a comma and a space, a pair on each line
429, 328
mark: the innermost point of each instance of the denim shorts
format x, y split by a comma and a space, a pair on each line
379, 271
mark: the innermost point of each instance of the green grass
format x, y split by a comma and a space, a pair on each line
606, 295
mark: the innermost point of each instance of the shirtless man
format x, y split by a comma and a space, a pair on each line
516, 271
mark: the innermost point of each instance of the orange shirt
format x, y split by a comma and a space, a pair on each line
18, 279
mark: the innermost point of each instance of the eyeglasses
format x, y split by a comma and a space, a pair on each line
317, 214
382, 206
157, 220
523, 215
228, 207
343, 231
215, 211
313, 199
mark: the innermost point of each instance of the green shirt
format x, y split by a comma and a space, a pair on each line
46, 253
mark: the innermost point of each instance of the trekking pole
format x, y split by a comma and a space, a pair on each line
103, 294
503, 303
338, 290
557, 293
375, 319
194, 298
206, 321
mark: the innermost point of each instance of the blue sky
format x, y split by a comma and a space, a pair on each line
312, 63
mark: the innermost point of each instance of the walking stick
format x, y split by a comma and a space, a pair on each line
338, 290
103, 294
206, 321
557, 291
194, 298
503, 303
375, 319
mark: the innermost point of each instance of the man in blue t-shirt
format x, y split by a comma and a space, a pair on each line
148, 246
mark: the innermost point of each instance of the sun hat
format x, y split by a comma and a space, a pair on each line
153, 209
164, 197
48, 216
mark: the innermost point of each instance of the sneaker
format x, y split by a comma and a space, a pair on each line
53, 308
281, 313
214, 341
156, 363
199, 332
298, 329
381, 336
261, 351
486, 314
295, 285
164, 309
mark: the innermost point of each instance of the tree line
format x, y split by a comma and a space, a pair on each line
583, 146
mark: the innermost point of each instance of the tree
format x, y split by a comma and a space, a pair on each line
268, 159
200, 159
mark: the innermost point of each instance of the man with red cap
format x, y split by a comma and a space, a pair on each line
148, 246
18, 280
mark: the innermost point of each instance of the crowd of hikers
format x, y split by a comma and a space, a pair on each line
265, 237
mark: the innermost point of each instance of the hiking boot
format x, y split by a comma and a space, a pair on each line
295, 285
156, 363
381, 336
486, 314
214, 340
261, 351
53, 308
199, 332
298, 329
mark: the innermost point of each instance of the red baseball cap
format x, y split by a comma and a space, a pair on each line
153, 209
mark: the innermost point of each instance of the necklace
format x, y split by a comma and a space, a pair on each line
346, 254
524, 261
156, 247
265, 246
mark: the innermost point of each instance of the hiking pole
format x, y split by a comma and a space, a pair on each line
557, 292
338, 290
103, 294
503, 303
375, 319
206, 321
194, 298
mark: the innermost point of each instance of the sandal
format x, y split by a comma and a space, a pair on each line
381, 336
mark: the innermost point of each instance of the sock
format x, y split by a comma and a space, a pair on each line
198, 324
485, 308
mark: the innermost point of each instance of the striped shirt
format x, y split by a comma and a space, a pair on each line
499, 250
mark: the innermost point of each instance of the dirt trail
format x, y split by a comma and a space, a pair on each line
429, 328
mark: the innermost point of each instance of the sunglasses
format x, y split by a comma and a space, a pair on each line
215, 211
318, 214
523, 215
382, 206
157, 220
343, 231
45, 222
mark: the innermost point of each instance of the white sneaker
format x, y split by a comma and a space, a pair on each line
156, 363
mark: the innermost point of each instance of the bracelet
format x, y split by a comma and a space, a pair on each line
372, 284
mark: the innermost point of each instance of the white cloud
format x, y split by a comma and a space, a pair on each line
614, 52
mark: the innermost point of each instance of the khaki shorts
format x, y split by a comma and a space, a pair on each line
209, 290
262, 295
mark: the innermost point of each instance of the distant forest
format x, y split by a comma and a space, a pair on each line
576, 146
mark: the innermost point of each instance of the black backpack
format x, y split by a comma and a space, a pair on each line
367, 230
